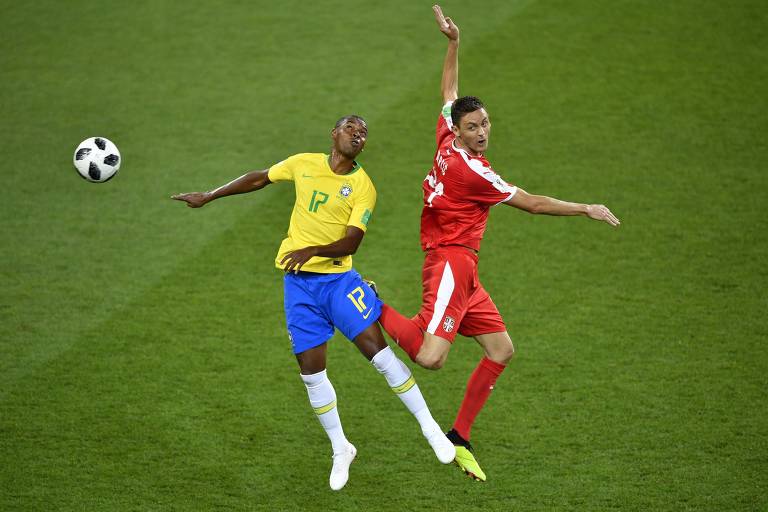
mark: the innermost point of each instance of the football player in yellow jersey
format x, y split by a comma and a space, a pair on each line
334, 202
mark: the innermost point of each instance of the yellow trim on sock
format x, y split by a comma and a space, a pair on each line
405, 386
324, 409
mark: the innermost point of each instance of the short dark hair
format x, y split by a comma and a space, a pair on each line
353, 117
464, 106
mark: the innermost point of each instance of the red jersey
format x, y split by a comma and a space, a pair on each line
458, 193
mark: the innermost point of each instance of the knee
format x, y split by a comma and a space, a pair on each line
509, 352
370, 342
430, 361
503, 354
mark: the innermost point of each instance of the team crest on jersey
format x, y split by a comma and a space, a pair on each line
448, 324
345, 190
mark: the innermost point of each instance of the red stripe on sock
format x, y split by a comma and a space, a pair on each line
479, 388
403, 330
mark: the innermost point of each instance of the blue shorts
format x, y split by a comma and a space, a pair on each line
316, 303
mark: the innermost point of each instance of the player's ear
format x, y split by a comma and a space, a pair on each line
455, 130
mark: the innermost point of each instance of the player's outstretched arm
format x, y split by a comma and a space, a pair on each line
544, 205
248, 182
293, 261
450, 82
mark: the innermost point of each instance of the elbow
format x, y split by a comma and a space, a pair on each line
541, 205
350, 247
260, 180
537, 206
350, 243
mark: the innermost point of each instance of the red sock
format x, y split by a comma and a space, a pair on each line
479, 387
403, 330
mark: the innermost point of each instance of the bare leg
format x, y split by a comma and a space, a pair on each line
312, 360
498, 346
370, 342
425, 349
433, 352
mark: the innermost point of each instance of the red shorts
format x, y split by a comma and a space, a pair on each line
453, 299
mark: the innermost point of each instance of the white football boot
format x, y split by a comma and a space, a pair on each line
340, 469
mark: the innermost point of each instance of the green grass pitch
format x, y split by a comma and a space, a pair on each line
144, 363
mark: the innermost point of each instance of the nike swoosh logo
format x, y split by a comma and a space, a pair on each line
306, 176
365, 316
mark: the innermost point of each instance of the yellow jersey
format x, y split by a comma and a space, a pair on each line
326, 203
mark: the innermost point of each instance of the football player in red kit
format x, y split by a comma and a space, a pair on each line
459, 191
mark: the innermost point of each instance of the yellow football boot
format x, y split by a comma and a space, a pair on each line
467, 462
464, 457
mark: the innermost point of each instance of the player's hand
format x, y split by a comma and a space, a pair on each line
601, 212
294, 260
447, 26
193, 199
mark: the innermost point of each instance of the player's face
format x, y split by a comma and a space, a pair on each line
349, 138
474, 130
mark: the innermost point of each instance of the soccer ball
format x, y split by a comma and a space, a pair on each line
97, 159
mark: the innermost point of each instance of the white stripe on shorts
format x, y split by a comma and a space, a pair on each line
444, 292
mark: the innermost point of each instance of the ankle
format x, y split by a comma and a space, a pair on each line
457, 440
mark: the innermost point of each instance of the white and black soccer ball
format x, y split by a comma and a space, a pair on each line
97, 159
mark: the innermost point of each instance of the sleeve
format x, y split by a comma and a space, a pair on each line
283, 171
486, 187
363, 208
444, 125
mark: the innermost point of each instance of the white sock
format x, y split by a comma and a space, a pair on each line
400, 379
322, 398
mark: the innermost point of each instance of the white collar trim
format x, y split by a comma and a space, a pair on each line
457, 148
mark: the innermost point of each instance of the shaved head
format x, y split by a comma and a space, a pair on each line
351, 117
